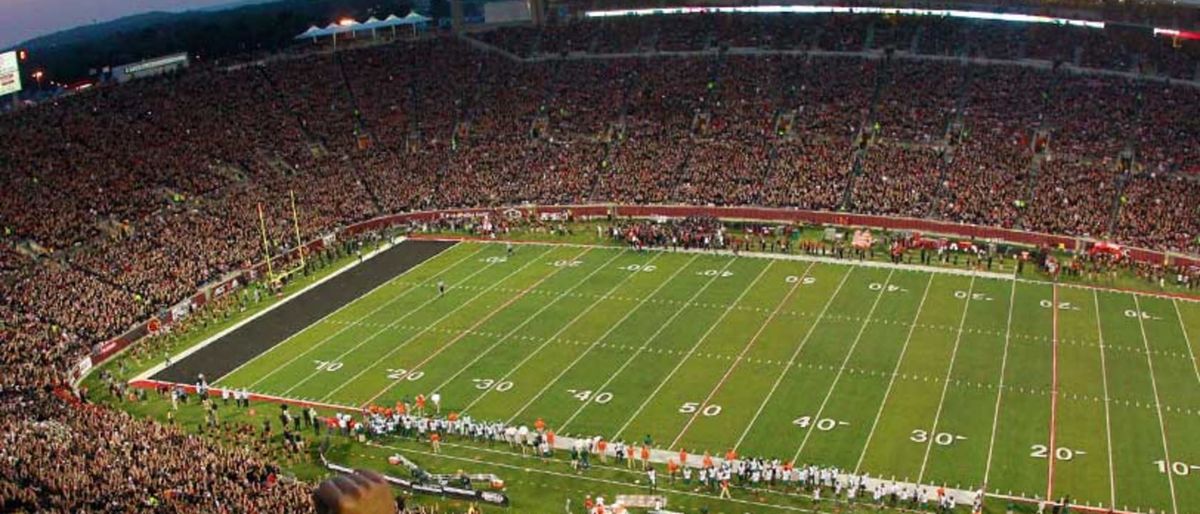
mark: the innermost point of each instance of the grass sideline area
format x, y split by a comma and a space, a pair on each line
756, 346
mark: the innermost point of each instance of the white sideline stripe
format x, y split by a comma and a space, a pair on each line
528, 319
842, 369
1162, 427
791, 360
848, 262
413, 337
385, 327
937, 416
661, 327
537, 351
1112, 477
1012, 300
215, 391
587, 478
691, 351
737, 360
606, 333
211, 339
895, 372
347, 326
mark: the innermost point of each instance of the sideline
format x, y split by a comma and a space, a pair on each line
843, 262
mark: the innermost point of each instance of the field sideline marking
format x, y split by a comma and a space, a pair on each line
348, 326
409, 339
537, 351
738, 360
848, 262
593, 479
792, 360
845, 361
895, 372
478, 323
145, 375
602, 337
1162, 426
987, 470
1187, 339
663, 326
1051, 453
387, 326
937, 416
692, 350
1112, 484
463, 368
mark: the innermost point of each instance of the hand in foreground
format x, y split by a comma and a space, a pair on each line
361, 492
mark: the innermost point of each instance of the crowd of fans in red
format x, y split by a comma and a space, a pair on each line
133, 196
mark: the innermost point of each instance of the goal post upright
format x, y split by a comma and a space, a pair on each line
262, 226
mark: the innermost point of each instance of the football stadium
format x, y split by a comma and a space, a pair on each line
607, 257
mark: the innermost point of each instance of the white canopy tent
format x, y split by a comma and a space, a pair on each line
371, 25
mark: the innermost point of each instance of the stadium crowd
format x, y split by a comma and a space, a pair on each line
117, 203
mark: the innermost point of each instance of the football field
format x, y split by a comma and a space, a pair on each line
1024, 388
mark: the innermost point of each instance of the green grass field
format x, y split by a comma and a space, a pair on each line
924, 377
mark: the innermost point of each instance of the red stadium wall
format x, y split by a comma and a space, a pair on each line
105, 350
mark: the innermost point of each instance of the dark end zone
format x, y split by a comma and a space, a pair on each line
252, 339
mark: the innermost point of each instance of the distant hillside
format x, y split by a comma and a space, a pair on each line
212, 33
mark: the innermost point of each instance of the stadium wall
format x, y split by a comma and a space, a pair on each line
105, 350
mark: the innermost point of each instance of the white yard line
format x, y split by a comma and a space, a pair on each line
1052, 450
528, 319
602, 337
662, 327
737, 360
987, 470
375, 334
1162, 426
429, 358
1112, 476
829, 394
1187, 339
431, 325
176, 358
692, 351
385, 328
792, 360
937, 416
538, 351
895, 372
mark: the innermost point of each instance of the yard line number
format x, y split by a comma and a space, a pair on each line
328, 365
403, 374
792, 279
715, 273
693, 407
645, 268
1040, 451
499, 386
940, 438
495, 259
1177, 467
823, 424
963, 295
1065, 306
891, 288
586, 395
566, 264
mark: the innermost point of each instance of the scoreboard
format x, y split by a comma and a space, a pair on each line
10, 73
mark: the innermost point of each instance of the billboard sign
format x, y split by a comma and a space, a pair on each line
10, 73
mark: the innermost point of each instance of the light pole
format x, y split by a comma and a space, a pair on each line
37, 75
